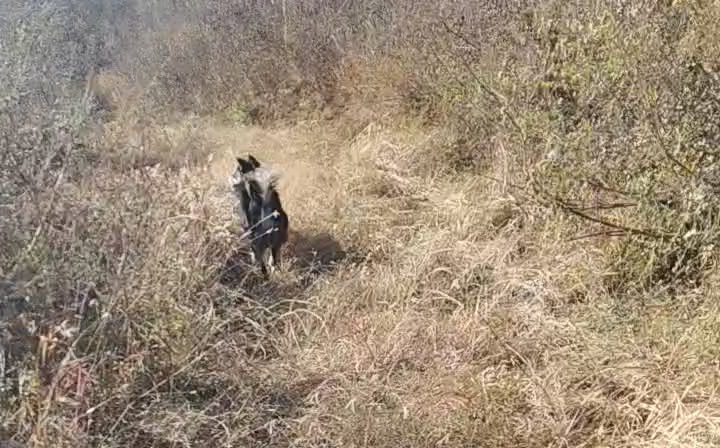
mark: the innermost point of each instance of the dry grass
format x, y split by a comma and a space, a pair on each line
431, 296
404, 319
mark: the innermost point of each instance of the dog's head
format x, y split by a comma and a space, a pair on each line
251, 174
246, 166
243, 168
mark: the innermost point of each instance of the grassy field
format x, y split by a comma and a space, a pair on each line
504, 224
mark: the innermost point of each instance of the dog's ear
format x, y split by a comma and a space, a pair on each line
254, 161
245, 166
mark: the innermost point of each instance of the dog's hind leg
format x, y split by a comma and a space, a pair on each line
269, 260
260, 256
264, 267
266, 263
276, 257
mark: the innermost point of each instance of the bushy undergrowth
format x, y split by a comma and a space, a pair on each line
126, 317
606, 114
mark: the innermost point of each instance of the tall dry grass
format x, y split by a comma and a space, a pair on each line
503, 224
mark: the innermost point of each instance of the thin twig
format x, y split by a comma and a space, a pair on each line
460, 36
630, 230
499, 98
654, 123
601, 186
611, 206
33, 242
605, 233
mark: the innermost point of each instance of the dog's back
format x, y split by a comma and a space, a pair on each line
266, 216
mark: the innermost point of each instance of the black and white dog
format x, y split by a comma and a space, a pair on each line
266, 223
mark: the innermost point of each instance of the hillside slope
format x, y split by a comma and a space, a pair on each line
416, 308
419, 309
505, 226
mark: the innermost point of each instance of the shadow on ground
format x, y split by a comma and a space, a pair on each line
316, 252
308, 254
258, 308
